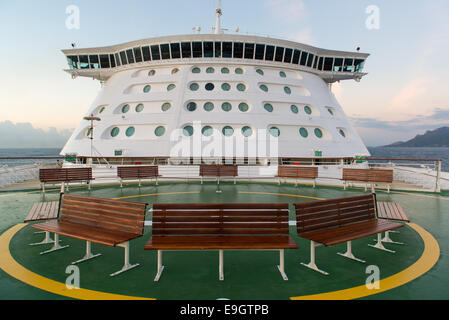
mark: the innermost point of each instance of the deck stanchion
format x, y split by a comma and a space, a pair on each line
221, 268
160, 267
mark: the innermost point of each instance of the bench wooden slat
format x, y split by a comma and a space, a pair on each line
368, 175
391, 211
297, 172
219, 206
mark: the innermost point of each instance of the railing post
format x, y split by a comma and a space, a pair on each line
437, 179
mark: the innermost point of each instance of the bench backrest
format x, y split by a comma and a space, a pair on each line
187, 219
218, 171
138, 172
65, 174
298, 172
109, 214
318, 215
368, 175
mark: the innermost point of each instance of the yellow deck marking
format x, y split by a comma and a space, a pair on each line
426, 262
282, 194
156, 194
14, 269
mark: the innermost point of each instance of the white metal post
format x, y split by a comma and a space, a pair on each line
160, 267
126, 266
56, 246
379, 244
88, 255
47, 239
348, 254
281, 265
221, 268
312, 264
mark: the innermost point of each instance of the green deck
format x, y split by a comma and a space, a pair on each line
248, 274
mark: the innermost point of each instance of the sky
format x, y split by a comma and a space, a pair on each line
404, 94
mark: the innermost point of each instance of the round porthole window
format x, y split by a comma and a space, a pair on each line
264, 88
188, 131
196, 70
247, 131
275, 132
318, 133
210, 86
294, 109
243, 107
330, 111
282, 74
226, 106
210, 70
224, 70
226, 86
130, 131
159, 131
260, 71
191, 106
125, 108
228, 131
139, 108
241, 87
239, 71
152, 73
147, 89
207, 131
166, 106
114, 132
174, 71
268, 107
303, 132
308, 110
194, 86
342, 133
208, 106
287, 90
170, 87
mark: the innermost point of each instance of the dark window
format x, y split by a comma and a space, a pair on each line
155, 53
208, 49
328, 64
304, 58
146, 53
338, 65
310, 60
84, 62
104, 61
165, 51
238, 50
227, 49
288, 55
197, 48
296, 56
217, 49
111, 57
117, 60
73, 62
320, 64
358, 64
260, 51
94, 62
279, 54
269, 53
186, 49
175, 50
129, 54
123, 57
249, 51
315, 64
138, 54
348, 65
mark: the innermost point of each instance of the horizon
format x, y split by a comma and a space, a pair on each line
403, 95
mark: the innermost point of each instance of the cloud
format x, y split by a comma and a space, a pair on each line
23, 135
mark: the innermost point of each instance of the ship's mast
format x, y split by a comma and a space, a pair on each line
219, 13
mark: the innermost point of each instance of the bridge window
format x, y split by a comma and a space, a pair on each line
269, 53
227, 49
130, 55
111, 57
117, 60
304, 58
358, 64
208, 49
175, 50
138, 54
249, 50
260, 51
310, 60
186, 49
288, 55
73, 62
279, 54
165, 51
338, 65
123, 57
320, 64
155, 54
197, 49
217, 49
238, 50
94, 62
296, 56
328, 62
146, 53
104, 61
84, 62
348, 67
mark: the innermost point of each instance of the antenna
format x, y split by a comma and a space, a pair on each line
219, 13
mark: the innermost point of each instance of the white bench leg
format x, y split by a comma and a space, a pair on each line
88, 255
157, 181
127, 266
220, 267
312, 264
348, 254
56, 246
281, 265
379, 244
160, 267
387, 239
47, 240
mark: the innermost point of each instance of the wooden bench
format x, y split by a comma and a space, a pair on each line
65, 176
331, 222
218, 171
392, 211
370, 176
103, 221
298, 173
220, 227
43, 211
138, 173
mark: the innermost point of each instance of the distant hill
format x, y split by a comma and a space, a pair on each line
435, 138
